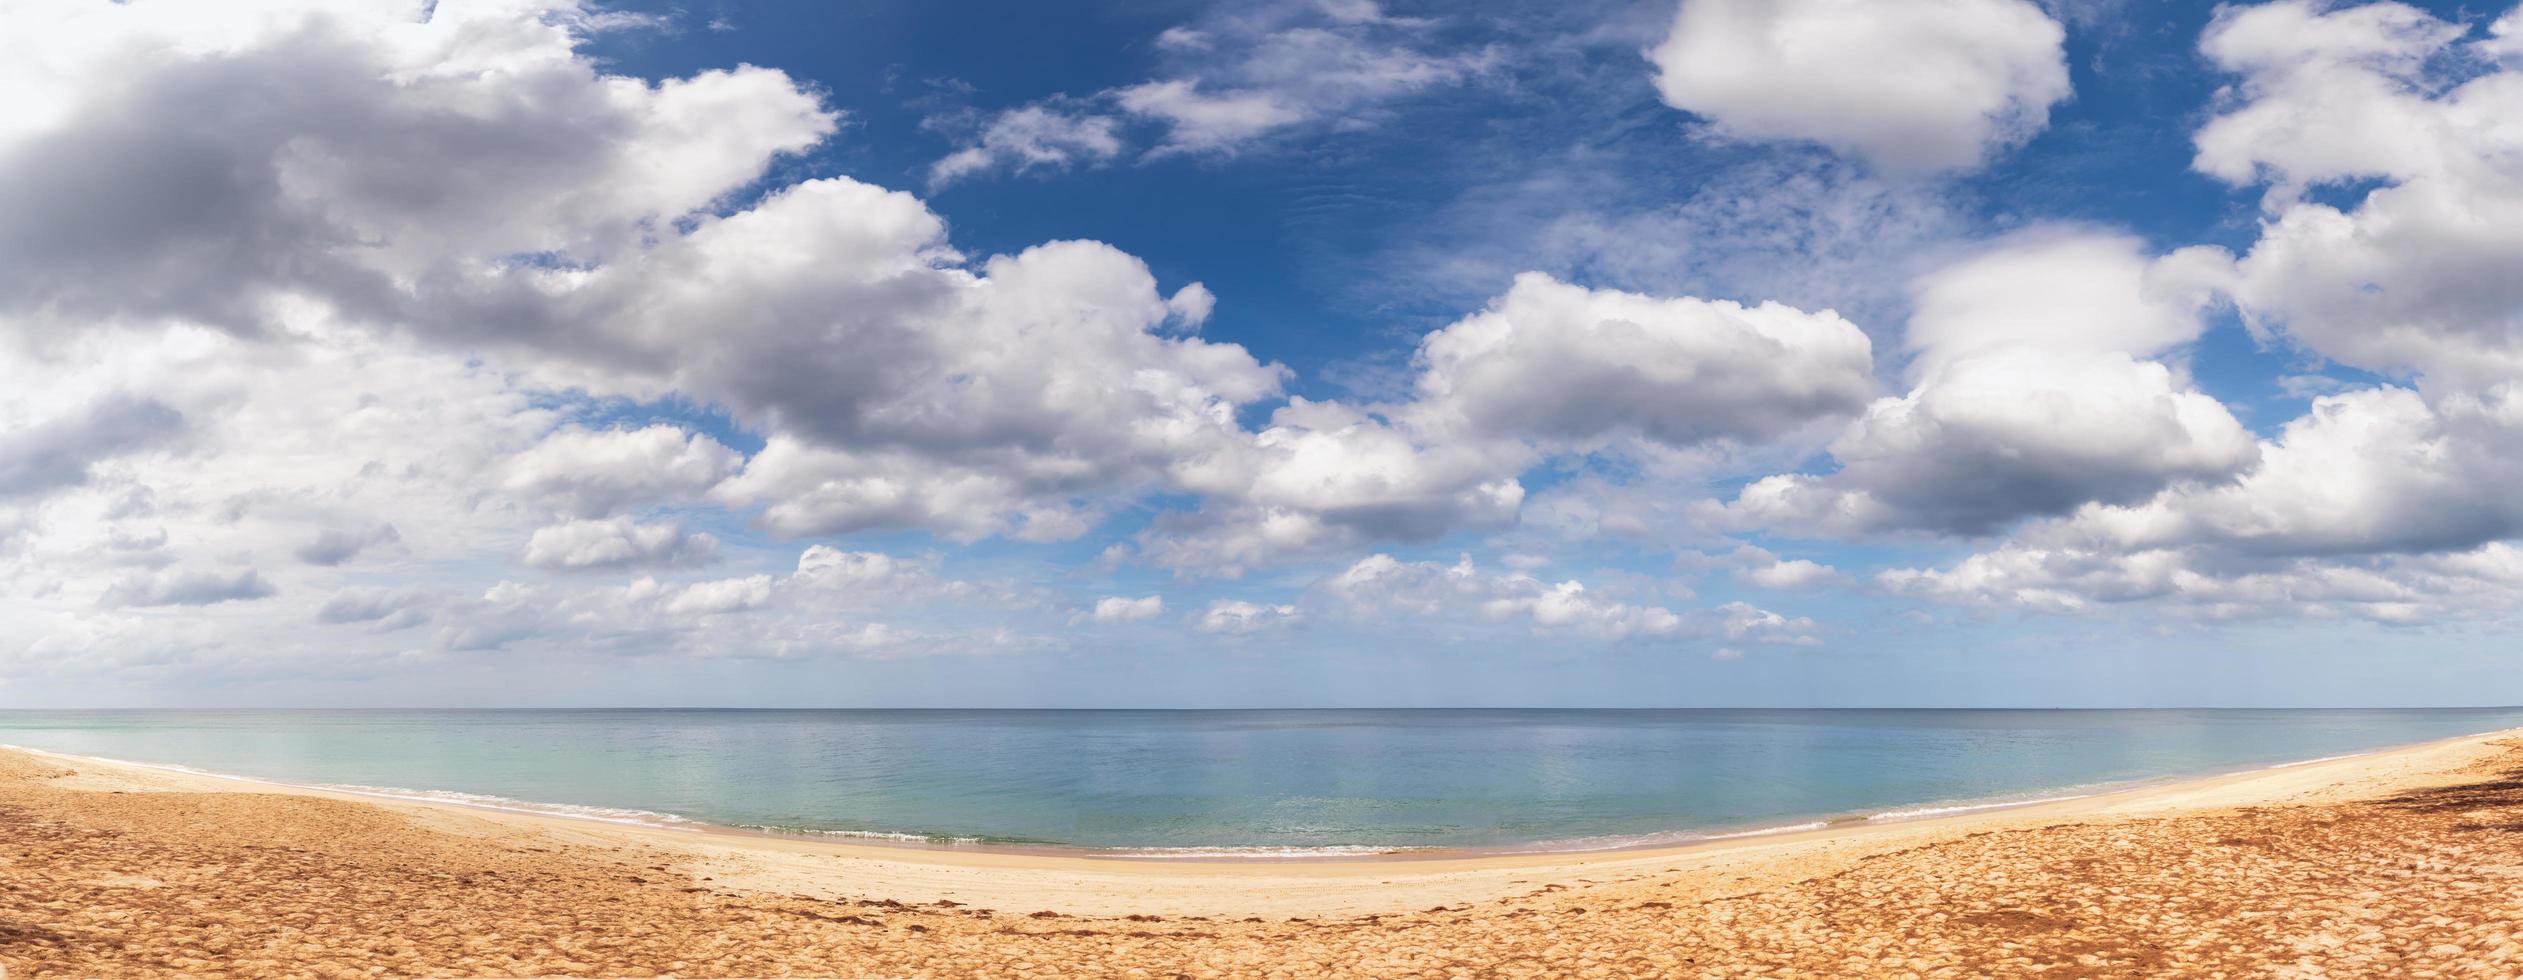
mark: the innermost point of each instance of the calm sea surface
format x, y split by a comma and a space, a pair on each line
1264, 781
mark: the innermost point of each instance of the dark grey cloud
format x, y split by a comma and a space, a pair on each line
187, 587
58, 452
333, 545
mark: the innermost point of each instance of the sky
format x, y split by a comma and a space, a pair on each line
1281, 353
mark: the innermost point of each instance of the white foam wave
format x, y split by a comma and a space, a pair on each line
1939, 811
2326, 758
1579, 845
1248, 853
478, 801
866, 835
1767, 831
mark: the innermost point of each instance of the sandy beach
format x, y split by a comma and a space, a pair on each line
2405, 862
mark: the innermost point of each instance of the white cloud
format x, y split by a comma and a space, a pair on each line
1031, 138
190, 162
617, 543
2373, 504
1744, 621
1238, 617
1381, 585
1769, 571
1206, 121
1563, 365
1546, 370
1914, 86
2034, 394
2386, 503
2414, 275
1250, 72
595, 472
721, 596
1283, 75
1123, 609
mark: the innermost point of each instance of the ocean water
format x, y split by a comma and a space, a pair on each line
1263, 783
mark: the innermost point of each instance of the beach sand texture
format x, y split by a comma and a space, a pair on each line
2404, 863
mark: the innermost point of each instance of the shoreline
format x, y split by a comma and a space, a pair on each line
2392, 862
1267, 855
2105, 798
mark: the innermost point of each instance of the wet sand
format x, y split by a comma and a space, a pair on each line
2407, 862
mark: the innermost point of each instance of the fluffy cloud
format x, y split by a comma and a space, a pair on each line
1547, 369
721, 596
1563, 365
1759, 567
1123, 609
884, 370
2373, 504
2034, 393
2413, 275
896, 384
617, 543
1380, 585
592, 473
2385, 153
1913, 86
1237, 617
194, 163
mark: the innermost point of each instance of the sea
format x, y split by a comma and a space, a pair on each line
1249, 784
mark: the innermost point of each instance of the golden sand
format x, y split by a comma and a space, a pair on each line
2406, 863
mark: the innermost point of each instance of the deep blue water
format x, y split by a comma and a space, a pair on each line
1241, 779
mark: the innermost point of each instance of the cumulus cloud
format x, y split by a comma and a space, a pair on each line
1914, 86
2373, 504
617, 543
1383, 585
2384, 156
2412, 275
1558, 364
1123, 609
1547, 369
1759, 567
306, 148
725, 595
2036, 391
889, 376
595, 472
1238, 617
883, 369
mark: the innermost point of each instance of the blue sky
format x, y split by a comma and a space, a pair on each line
1714, 353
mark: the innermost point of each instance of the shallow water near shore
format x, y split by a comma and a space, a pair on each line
1293, 783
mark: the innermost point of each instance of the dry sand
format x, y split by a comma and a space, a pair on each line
2404, 863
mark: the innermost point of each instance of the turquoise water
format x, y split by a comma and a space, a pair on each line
1270, 782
